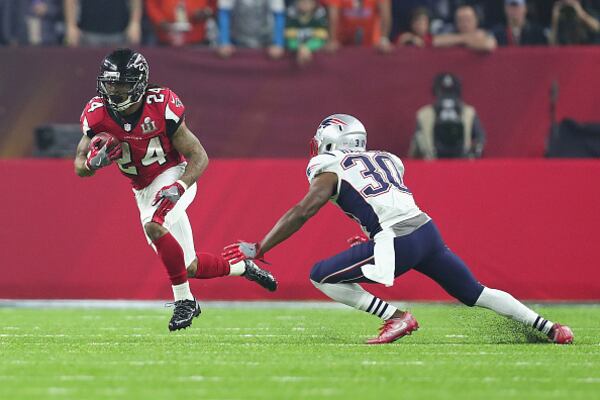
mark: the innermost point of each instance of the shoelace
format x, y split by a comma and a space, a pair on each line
257, 273
181, 308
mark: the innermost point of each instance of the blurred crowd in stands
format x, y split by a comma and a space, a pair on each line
300, 26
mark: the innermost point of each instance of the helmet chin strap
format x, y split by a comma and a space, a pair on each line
124, 105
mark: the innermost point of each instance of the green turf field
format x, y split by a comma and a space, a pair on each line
292, 354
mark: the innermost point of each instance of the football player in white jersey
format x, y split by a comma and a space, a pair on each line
368, 186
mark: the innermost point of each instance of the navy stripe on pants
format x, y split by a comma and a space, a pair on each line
423, 250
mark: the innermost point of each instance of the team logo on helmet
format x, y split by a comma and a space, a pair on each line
331, 121
139, 62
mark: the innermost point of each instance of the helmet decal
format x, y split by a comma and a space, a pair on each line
125, 67
338, 132
331, 121
139, 63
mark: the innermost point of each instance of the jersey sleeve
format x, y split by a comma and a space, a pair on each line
174, 113
399, 164
277, 6
326, 162
91, 115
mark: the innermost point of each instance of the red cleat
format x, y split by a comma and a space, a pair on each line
560, 334
395, 328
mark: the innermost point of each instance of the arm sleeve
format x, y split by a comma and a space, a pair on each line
278, 28
326, 162
174, 114
224, 16
85, 127
86, 122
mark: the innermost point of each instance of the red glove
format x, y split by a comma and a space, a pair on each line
166, 198
357, 239
241, 251
100, 156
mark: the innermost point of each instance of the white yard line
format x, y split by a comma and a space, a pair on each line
154, 304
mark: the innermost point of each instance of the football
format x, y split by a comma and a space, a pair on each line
102, 138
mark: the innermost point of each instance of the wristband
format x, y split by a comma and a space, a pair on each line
183, 184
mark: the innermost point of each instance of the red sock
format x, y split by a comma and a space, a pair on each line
211, 266
171, 254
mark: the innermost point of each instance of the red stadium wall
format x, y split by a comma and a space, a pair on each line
530, 227
250, 106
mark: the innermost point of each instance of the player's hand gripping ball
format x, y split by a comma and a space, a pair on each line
104, 149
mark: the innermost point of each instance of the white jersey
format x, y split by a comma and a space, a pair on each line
370, 187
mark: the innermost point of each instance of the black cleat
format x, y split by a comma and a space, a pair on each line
183, 314
261, 276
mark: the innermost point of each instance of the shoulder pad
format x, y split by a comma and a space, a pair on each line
322, 162
93, 114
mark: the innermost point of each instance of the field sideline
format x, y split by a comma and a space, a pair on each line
298, 351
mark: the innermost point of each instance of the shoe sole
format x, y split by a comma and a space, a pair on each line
271, 286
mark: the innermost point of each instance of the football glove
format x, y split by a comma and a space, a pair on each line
241, 251
356, 240
100, 156
166, 198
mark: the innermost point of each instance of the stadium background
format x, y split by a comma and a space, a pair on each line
522, 223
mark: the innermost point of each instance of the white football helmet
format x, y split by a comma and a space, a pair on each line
337, 132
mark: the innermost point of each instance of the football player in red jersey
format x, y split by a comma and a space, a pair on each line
163, 159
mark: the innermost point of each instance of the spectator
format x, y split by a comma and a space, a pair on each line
359, 22
102, 23
443, 13
572, 24
13, 30
253, 24
467, 34
419, 34
448, 128
518, 30
180, 22
306, 29
44, 22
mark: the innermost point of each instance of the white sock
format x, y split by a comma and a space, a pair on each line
237, 269
353, 295
506, 305
182, 292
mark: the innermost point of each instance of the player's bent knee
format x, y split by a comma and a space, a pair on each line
154, 230
192, 269
316, 273
470, 298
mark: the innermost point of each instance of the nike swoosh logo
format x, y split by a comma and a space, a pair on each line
402, 326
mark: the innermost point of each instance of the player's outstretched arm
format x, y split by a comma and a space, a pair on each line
323, 186
81, 157
188, 144
321, 190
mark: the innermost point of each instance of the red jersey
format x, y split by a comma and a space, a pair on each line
359, 21
146, 141
160, 11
